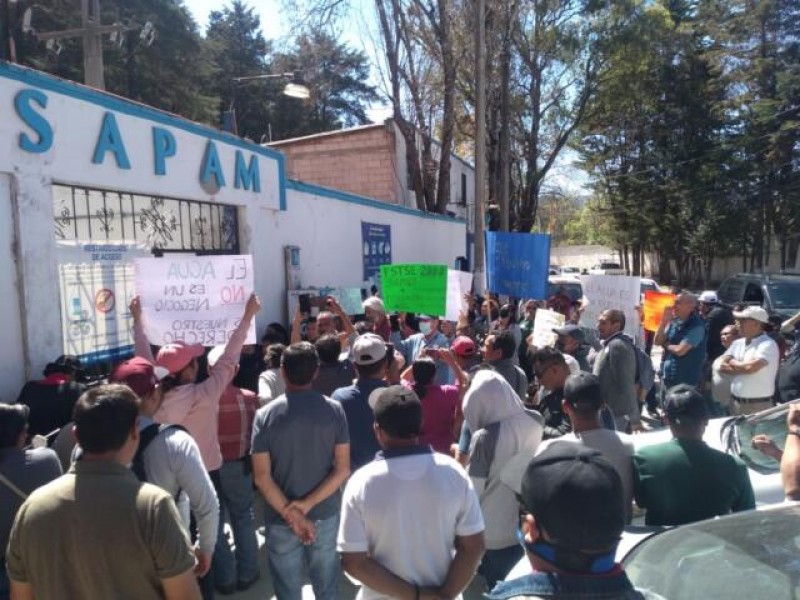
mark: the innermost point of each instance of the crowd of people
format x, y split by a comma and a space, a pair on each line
408, 451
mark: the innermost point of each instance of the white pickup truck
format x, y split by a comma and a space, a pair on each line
607, 268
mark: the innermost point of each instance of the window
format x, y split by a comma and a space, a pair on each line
753, 294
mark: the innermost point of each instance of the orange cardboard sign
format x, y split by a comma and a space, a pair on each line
654, 305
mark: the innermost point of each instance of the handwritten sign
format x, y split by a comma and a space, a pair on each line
96, 286
604, 292
197, 300
458, 284
517, 264
654, 305
415, 288
543, 325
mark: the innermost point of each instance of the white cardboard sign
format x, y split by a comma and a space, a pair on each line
458, 284
543, 325
194, 299
605, 292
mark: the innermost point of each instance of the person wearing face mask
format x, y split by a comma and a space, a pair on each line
429, 336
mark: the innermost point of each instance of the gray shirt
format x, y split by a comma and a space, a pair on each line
172, 462
28, 470
299, 431
514, 375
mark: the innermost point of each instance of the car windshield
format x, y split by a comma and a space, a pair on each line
574, 290
755, 554
648, 286
785, 294
771, 423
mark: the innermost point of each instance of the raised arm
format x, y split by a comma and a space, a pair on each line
140, 344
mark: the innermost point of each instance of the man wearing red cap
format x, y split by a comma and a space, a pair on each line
171, 459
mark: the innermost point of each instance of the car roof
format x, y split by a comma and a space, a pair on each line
767, 277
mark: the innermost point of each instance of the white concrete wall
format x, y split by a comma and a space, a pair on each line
12, 352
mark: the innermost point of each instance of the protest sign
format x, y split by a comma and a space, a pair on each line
604, 292
415, 288
376, 240
349, 299
517, 264
543, 324
458, 284
96, 286
194, 299
654, 305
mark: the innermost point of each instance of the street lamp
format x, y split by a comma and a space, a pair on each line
294, 89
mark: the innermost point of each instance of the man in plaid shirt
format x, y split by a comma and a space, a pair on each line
237, 409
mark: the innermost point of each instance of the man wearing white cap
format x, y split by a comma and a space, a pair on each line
753, 361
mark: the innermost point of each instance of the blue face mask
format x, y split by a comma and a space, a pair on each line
424, 327
602, 563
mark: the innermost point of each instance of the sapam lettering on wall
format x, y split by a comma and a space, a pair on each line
194, 300
30, 106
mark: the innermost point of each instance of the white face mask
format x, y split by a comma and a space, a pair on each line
425, 327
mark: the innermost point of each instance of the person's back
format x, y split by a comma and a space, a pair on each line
51, 399
333, 373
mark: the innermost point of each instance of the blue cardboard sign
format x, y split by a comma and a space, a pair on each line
517, 264
376, 241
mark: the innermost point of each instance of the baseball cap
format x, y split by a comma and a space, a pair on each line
139, 374
709, 297
464, 346
397, 410
753, 312
176, 356
684, 404
368, 349
572, 330
576, 496
582, 390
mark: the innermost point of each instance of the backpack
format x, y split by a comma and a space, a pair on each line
147, 435
645, 373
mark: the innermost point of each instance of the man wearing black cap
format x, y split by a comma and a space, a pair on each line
429, 544
684, 480
572, 341
572, 499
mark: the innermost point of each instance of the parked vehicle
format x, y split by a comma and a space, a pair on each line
779, 294
607, 268
752, 554
571, 285
570, 271
649, 285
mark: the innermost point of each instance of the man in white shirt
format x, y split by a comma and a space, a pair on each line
583, 402
753, 361
411, 524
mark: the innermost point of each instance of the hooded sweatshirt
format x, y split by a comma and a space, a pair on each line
503, 428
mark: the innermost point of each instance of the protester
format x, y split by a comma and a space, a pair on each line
21, 471
551, 372
465, 353
489, 312
753, 362
560, 302
716, 317
237, 410
507, 321
395, 363
791, 326
333, 372
615, 366
428, 337
682, 335
441, 404
526, 330
499, 349
270, 382
426, 546
99, 530
51, 399
788, 386
572, 341
572, 498
170, 458
721, 382
502, 428
325, 323
275, 333
301, 457
790, 461
375, 313
684, 480
369, 353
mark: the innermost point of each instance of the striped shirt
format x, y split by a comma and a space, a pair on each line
237, 409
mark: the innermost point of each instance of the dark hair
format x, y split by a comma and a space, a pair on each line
300, 363
275, 334
424, 370
13, 421
505, 342
104, 417
508, 311
373, 371
328, 348
272, 355
546, 357
615, 316
412, 322
170, 382
65, 364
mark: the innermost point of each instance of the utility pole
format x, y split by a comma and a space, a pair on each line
480, 139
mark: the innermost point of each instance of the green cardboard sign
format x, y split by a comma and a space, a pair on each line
415, 288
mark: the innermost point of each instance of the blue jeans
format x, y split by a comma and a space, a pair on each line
236, 499
287, 556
